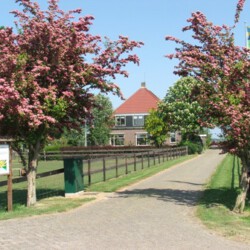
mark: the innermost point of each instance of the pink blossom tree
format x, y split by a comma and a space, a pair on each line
223, 90
47, 72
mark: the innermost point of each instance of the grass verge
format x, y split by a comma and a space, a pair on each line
215, 206
45, 206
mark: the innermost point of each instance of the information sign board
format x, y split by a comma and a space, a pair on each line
4, 159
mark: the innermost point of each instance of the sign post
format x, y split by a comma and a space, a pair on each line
6, 169
10, 189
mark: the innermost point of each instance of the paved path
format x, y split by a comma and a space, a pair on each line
156, 213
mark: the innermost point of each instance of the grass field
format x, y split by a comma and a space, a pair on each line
215, 208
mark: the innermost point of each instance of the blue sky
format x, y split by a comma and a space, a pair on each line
148, 21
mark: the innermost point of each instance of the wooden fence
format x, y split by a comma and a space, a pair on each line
110, 165
120, 164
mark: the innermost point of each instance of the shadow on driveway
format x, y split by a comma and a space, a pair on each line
180, 197
209, 197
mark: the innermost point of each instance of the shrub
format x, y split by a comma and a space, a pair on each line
193, 147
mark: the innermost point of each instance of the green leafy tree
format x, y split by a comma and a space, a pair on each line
74, 137
178, 108
181, 112
156, 127
102, 121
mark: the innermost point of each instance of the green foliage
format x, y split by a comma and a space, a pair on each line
193, 148
178, 109
102, 122
76, 137
56, 108
193, 142
156, 127
96, 135
54, 147
70, 137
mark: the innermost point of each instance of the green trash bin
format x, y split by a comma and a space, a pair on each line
73, 176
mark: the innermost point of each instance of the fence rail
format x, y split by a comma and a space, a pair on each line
86, 154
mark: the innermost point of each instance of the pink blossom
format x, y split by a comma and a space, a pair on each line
46, 79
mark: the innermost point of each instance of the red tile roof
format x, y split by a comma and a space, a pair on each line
140, 102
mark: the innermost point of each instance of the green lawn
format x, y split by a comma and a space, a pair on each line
215, 208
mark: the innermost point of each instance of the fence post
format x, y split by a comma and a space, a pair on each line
154, 157
148, 159
142, 161
10, 187
116, 166
104, 168
44, 155
126, 165
134, 162
89, 171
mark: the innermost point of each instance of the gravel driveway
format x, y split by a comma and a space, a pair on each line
156, 213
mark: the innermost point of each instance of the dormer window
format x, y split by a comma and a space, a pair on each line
120, 121
138, 120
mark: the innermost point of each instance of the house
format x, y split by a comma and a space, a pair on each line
130, 117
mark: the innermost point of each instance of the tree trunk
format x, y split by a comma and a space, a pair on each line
31, 178
31, 173
244, 185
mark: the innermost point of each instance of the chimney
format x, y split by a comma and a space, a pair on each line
143, 85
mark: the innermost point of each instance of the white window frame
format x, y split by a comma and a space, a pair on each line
138, 118
117, 137
118, 120
173, 138
137, 137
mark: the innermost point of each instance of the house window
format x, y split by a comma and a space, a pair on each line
117, 140
142, 139
172, 138
138, 120
120, 121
